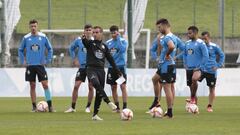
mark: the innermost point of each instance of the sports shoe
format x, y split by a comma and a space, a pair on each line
87, 110
148, 111
97, 118
166, 115
154, 104
34, 110
192, 100
116, 110
51, 110
112, 105
209, 109
187, 100
70, 110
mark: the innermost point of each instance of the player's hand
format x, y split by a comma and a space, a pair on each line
119, 73
214, 68
83, 36
168, 57
24, 64
76, 63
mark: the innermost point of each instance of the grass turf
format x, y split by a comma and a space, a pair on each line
15, 118
69, 14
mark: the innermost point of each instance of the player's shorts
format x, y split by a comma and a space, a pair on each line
189, 74
35, 70
170, 76
81, 74
112, 76
210, 78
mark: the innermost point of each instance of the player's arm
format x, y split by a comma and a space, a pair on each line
181, 46
50, 51
123, 44
221, 57
154, 49
21, 51
205, 54
111, 60
73, 46
171, 47
86, 42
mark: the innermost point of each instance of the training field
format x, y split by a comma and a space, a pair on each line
16, 118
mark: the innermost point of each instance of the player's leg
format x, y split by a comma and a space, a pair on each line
211, 82
115, 97
173, 86
124, 94
97, 78
111, 78
33, 95
189, 74
157, 89
97, 103
90, 97
169, 99
43, 78
173, 91
74, 96
195, 77
30, 76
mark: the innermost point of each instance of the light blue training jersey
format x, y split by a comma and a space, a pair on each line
35, 46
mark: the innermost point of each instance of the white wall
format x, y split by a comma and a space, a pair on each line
61, 80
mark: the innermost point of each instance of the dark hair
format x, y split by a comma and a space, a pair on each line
205, 33
98, 27
33, 21
193, 28
87, 26
163, 21
113, 28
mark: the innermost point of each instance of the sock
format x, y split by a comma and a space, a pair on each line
49, 104
88, 104
155, 103
117, 104
106, 99
155, 99
47, 94
73, 105
209, 105
124, 105
169, 112
34, 105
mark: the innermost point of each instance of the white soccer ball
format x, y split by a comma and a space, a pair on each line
192, 108
126, 114
42, 106
156, 112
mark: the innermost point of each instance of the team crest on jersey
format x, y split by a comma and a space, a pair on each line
29, 39
84, 49
103, 47
78, 74
109, 76
212, 83
113, 51
190, 51
35, 47
28, 72
39, 38
99, 54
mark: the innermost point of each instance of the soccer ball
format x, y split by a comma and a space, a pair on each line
42, 106
126, 114
156, 112
192, 108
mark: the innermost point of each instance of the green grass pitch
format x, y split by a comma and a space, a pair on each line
16, 118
